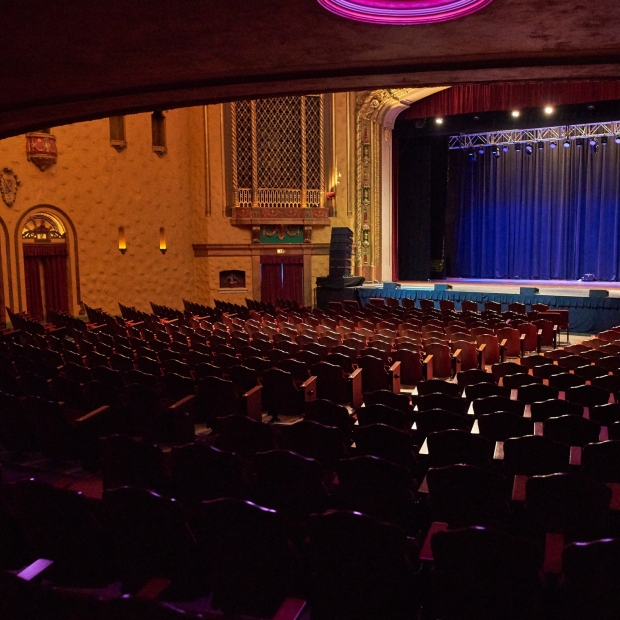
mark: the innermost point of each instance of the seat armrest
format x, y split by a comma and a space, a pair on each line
554, 545
502, 350
522, 341
427, 367
182, 413
34, 570
456, 362
538, 340
481, 349
519, 488
394, 377
253, 400
291, 609
153, 588
426, 552
92, 415
357, 397
555, 336
309, 388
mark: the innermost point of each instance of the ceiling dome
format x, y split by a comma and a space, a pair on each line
403, 12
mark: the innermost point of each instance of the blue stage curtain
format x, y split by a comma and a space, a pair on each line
554, 214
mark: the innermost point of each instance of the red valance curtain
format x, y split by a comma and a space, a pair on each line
282, 278
496, 97
34, 249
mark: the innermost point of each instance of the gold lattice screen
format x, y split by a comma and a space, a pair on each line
278, 152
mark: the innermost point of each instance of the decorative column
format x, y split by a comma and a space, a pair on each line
254, 154
233, 148
304, 156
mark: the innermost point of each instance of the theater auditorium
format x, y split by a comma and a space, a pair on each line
310, 310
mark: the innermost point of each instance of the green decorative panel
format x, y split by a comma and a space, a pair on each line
281, 234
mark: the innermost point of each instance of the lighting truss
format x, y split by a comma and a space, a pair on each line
542, 134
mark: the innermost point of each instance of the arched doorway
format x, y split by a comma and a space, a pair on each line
44, 242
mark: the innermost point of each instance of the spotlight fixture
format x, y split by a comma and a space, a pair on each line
439, 120
541, 145
495, 151
604, 141
593, 142
579, 143
515, 113
505, 148
481, 150
471, 154
517, 147
528, 149
549, 110
593, 145
552, 144
617, 139
566, 143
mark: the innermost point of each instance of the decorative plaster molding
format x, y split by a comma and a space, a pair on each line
9, 183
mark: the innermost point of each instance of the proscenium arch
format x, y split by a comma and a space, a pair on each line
73, 262
6, 290
376, 113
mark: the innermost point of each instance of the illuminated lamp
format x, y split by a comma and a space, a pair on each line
403, 12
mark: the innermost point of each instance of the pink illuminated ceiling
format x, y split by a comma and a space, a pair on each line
403, 12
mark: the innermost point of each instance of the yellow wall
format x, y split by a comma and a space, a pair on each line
99, 189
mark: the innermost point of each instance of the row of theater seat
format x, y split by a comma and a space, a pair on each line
481, 559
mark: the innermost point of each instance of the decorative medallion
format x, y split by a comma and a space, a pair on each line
41, 150
8, 186
403, 12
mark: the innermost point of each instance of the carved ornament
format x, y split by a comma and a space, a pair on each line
41, 150
9, 182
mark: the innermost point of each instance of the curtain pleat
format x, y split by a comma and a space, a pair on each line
282, 278
271, 282
34, 301
55, 277
293, 283
549, 215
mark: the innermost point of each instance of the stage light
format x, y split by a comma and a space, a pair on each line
549, 110
579, 143
541, 146
617, 139
552, 145
471, 154
495, 152
528, 149
604, 141
593, 145
566, 143
439, 120
481, 150
593, 142
505, 148
517, 147
515, 113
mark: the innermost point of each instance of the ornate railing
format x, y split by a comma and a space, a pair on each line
279, 198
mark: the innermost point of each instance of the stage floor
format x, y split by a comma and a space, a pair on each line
569, 288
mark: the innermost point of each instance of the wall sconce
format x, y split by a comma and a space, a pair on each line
122, 241
330, 195
162, 240
280, 251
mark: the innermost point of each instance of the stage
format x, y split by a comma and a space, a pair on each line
587, 315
